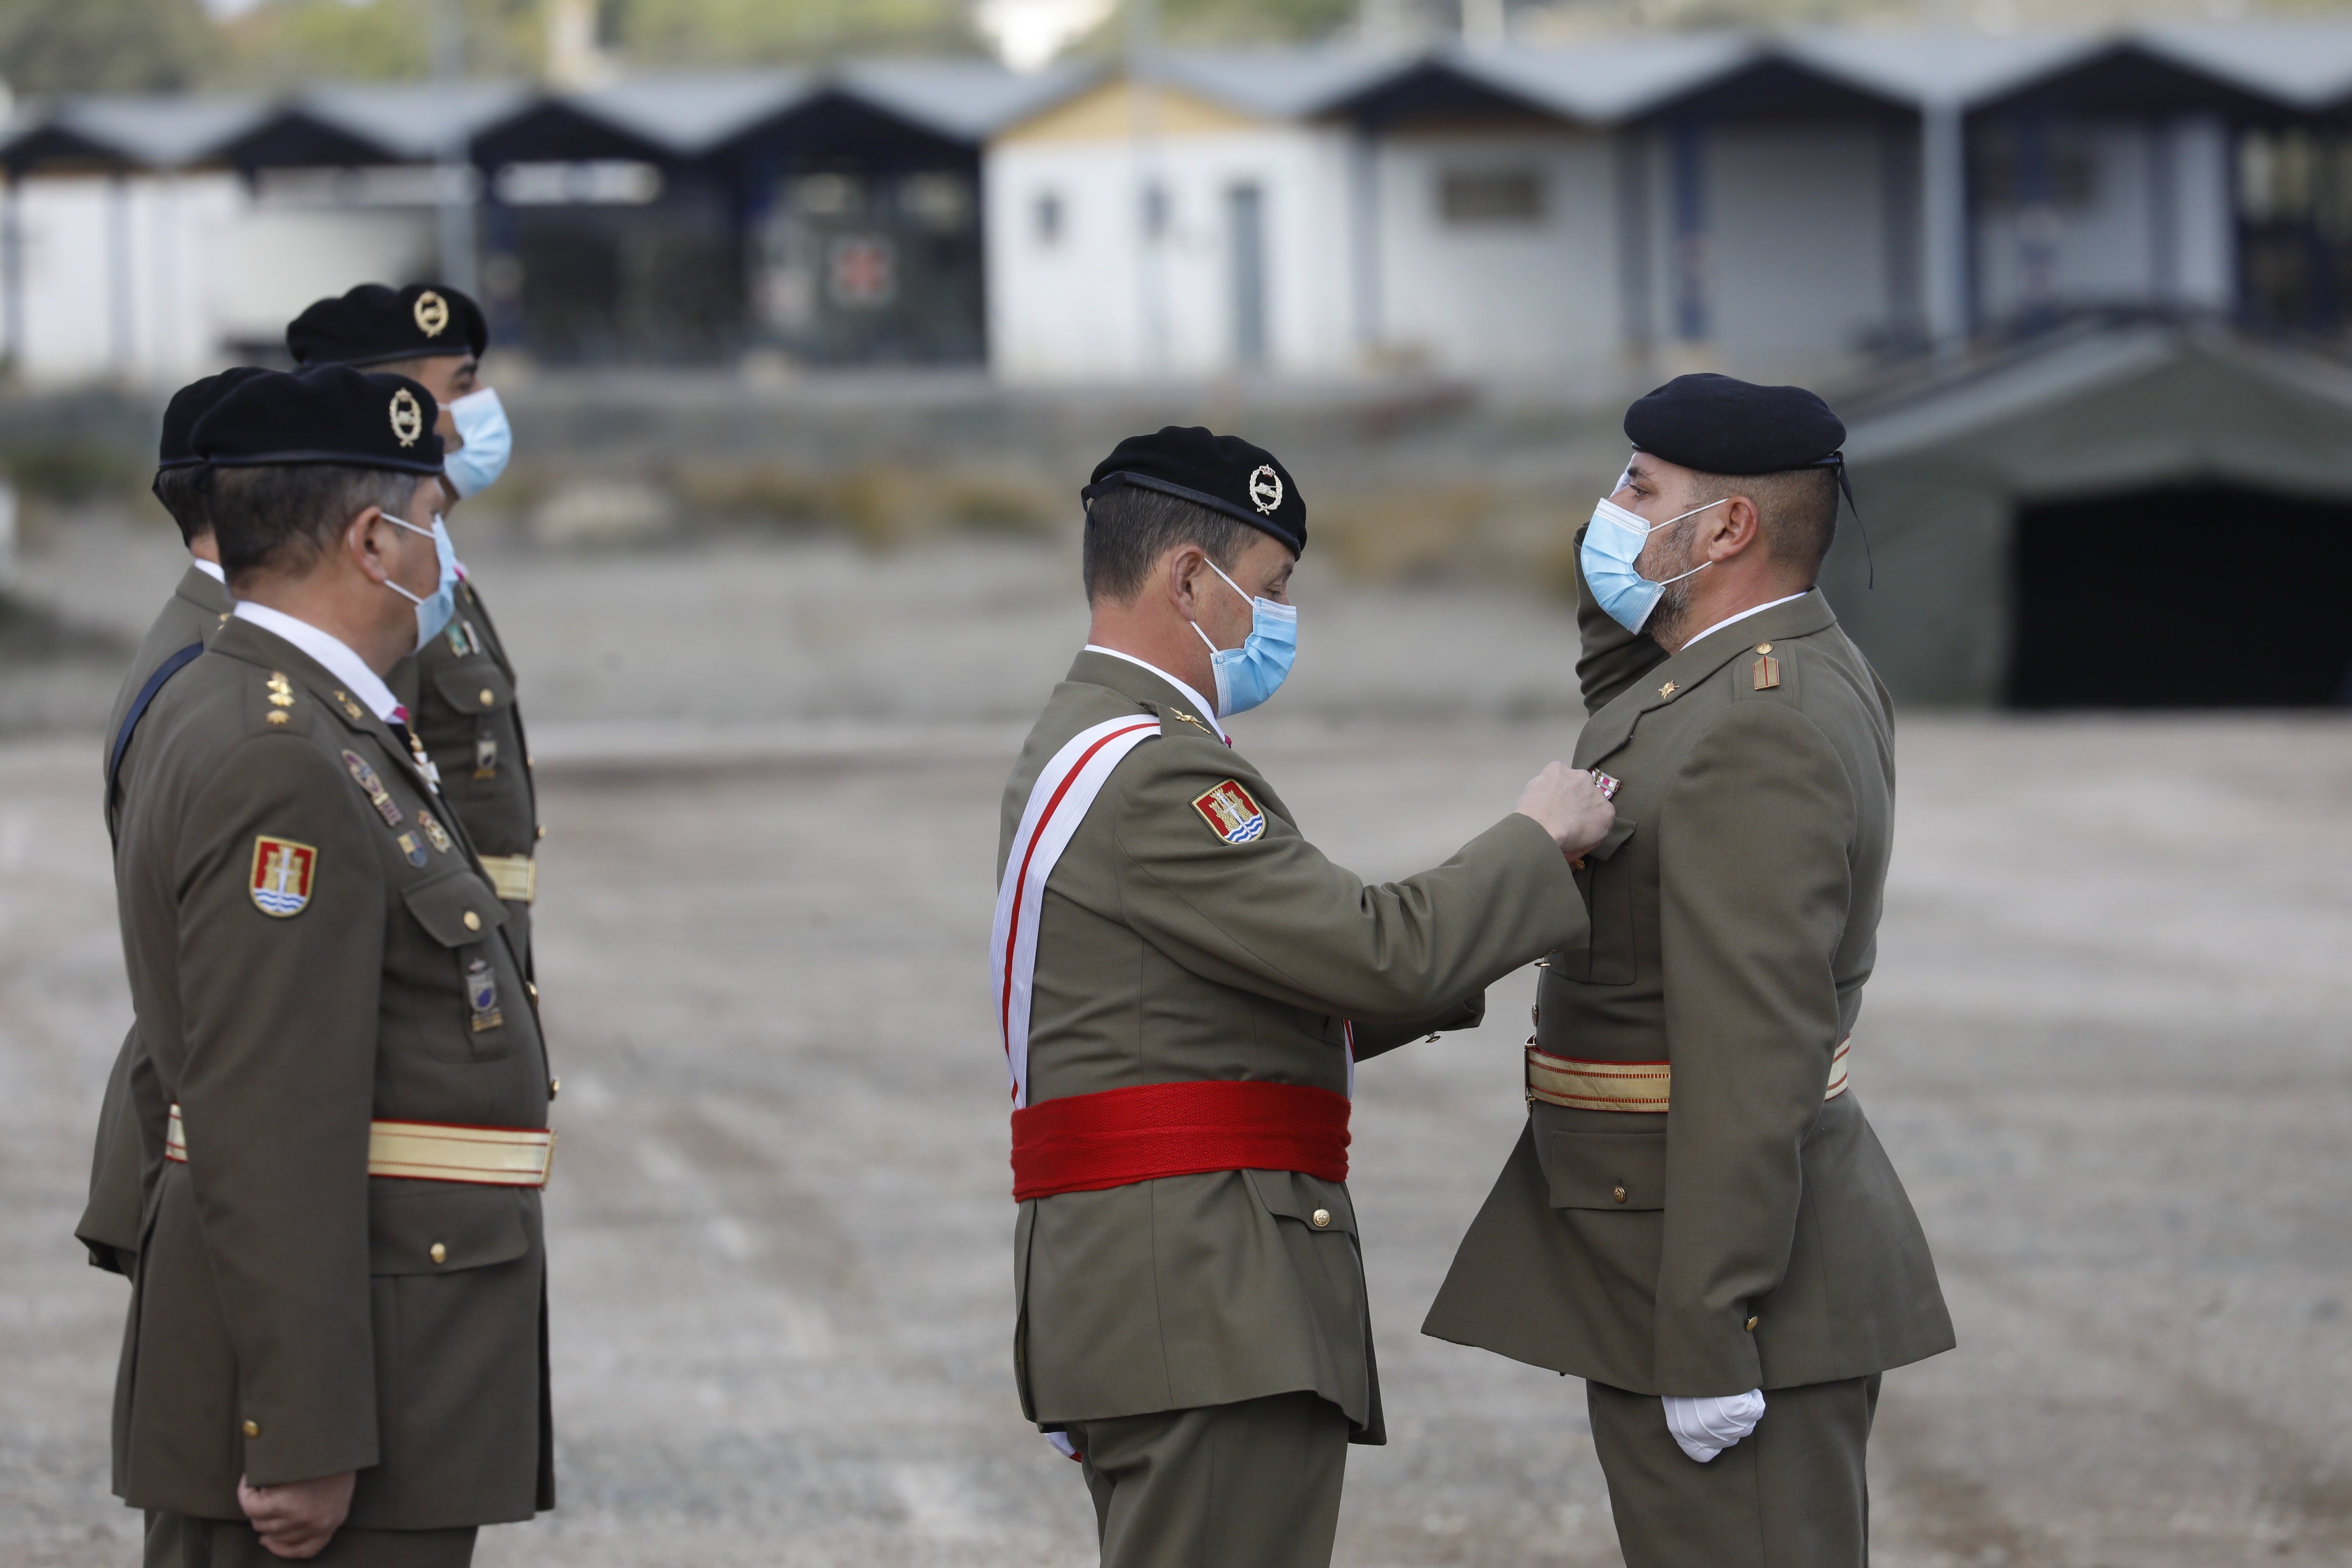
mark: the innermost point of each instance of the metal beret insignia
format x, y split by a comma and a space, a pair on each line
1264, 488
432, 313
407, 416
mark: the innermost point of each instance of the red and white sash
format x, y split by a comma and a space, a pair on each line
1057, 804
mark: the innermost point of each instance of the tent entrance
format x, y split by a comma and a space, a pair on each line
2191, 597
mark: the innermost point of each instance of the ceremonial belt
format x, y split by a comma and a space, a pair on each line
437, 1151
514, 878
1628, 1086
1086, 1142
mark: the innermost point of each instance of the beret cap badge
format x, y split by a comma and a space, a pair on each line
432, 313
1265, 489
407, 416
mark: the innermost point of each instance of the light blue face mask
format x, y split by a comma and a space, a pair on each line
434, 610
1612, 544
481, 420
1248, 675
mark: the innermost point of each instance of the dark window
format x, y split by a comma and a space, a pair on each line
1491, 195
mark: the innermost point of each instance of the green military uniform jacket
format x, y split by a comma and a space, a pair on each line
1167, 954
123, 1161
1754, 1236
459, 691
292, 1316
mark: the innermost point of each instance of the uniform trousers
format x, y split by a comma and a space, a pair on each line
1254, 1484
181, 1540
1792, 1494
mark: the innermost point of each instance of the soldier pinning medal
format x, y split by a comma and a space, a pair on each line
1698, 1218
459, 689
336, 1343
1184, 987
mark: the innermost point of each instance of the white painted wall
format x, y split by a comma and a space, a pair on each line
1074, 307
1510, 301
151, 279
1797, 246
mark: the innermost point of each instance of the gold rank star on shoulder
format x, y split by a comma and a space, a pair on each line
281, 696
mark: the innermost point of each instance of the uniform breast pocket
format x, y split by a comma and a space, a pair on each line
459, 986
467, 729
1607, 883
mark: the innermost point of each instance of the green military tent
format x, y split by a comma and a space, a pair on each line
2117, 517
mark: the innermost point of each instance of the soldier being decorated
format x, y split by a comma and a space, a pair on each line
1184, 986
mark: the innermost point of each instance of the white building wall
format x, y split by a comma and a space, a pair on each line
1080, 305
2127, 242
1797, 246
1510, 300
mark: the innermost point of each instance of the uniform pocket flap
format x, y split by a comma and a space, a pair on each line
1303, 1198
456, 909
443, 1227
477, 686
1605, 1170
1622, 831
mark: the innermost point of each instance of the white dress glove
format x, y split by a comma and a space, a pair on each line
1705, 1427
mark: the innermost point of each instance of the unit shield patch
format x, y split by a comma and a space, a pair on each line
1230, 814
281, 875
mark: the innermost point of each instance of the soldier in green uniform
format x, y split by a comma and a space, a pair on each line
336, 1347
459, 689
1184, 986
122, 1161
1698, 1219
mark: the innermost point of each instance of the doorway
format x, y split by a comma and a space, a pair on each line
2193, 596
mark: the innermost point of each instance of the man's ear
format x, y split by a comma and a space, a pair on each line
1184, 568
363, 542
1737, 530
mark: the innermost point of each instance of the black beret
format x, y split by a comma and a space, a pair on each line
374, 324
1719, 425
328, 414
190, 403
1224, 473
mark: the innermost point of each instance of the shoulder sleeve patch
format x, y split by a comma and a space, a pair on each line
281, 875
1230, 812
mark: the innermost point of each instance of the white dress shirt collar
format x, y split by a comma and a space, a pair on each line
210, 568
1208, 709
1752, 610
332, 654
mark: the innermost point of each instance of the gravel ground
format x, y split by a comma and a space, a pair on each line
2107, 1048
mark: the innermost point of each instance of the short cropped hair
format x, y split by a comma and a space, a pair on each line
283, 516
1797, 511
184, 492
1128, 528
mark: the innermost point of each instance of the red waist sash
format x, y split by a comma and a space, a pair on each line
1085, 1142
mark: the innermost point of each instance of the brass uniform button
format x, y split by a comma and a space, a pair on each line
1752, 1323
253, 1429
438, 1253
1763, 648
1617, 1192
1321, 1219
542, 830
473, 920
532, 987
554, 1087
489, 698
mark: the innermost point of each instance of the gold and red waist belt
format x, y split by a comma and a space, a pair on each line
437, 1151
1628, 1086
1087, 1143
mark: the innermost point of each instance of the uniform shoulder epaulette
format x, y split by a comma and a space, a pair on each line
281, 698
1761, 670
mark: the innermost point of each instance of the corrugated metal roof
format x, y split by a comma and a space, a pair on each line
1606, 82
689, 114
1277, 84
1947, 69
152, 133
966, 99
409, 122
2300, 65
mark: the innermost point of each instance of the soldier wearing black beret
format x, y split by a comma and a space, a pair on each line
460, 689
1184, 986
335, 1344
1698, 1219
199, 605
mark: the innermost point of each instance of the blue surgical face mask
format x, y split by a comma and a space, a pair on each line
489, 441
434, 610
1612, 544
1248, 675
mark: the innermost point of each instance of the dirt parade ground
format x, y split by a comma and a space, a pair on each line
2107, 1048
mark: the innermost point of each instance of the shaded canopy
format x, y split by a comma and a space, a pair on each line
1942, 472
